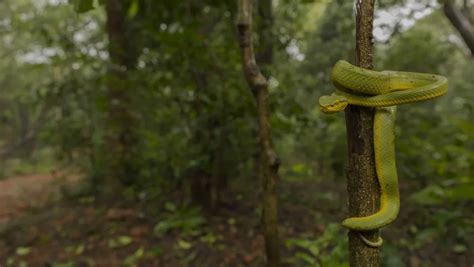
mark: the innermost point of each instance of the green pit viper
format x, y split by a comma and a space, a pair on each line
383, 91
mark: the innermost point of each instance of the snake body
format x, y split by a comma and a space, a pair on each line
384, 91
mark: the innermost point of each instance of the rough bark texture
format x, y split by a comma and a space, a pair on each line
462, 24
362, 184
259, 87
121, 139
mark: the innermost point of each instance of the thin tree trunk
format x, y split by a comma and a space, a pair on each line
461, 23
258, 84
362, 185
210, 195
219, 174
268, 159
121, 139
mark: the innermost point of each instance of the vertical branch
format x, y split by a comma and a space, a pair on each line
254, 77
265, 33
461, 23
258, 84
362, 185
121, 137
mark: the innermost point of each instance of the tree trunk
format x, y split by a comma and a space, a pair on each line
461, 23
258, 84
121, 138
213, 131
362, 184
219, 175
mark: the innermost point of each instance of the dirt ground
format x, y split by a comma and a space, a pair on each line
39, 228
45, 230
20, 193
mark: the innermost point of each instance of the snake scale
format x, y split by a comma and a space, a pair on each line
383, 91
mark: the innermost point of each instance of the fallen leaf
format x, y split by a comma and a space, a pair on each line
22, 251
184, 244
120, 241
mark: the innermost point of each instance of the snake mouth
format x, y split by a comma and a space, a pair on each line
332, 108
332, 104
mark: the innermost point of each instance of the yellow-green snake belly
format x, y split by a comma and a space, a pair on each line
383, 91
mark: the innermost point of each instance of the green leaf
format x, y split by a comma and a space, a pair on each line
82, 6
10, 261
306, 258
22, 251
156, 250
133, 9
459, 248
124, 240
462, 192
131, 260
79, 249
170, 206
99, 3
183, 244
299, 168
431, 195
209, 238
120, 241
163, 227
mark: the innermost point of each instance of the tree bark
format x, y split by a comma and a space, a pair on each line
258, 84
461, 23
121, 138
362, 184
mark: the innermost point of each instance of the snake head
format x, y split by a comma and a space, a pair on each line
332, 103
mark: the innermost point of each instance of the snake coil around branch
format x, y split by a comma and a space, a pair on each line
383, 91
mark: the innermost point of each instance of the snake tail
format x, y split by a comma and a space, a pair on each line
374, 244
384, 147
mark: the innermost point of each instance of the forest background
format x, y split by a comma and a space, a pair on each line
144, 103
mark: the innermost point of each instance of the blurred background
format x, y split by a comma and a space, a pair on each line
154, 162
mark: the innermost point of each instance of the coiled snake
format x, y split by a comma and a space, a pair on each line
383, 91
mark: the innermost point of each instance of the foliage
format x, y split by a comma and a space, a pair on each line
194, 116
186, 221
326, 250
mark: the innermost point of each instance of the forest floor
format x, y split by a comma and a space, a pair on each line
40, 228
21, 193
